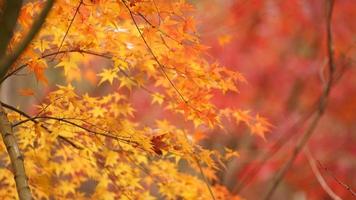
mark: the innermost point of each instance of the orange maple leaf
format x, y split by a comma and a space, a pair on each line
38, 68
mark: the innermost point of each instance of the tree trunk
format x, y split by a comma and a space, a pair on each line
15, 155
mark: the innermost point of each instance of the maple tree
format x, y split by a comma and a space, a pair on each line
81, 145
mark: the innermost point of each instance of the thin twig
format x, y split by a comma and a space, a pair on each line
69, 26
347, 187
158, 12
321, 108
29, 118
318, 175
204, 177
65, 120
154, 55
248, 176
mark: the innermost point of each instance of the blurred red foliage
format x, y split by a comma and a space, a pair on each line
280, 47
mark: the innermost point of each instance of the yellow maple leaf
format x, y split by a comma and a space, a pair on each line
42, 45
126, 82
120, 63
98, 112
70, 67
157, 98
108, 75
66, 187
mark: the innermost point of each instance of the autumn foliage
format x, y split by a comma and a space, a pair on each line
92, 144
144, 99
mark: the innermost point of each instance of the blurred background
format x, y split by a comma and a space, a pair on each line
280, 47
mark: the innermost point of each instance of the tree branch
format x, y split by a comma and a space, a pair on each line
161, 67
8, 23
7, 61
29, 118
70, 25
321, 108
16, 157
347, 187
67, 121
318, 175
7, 134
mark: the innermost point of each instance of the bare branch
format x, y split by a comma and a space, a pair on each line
318, 175
347, 187
321, 108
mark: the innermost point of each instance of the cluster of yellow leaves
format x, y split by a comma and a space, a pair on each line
92, 147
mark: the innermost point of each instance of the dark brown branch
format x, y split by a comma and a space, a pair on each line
88, 52
321, 108
158, 12
29, 118
16, 110
70, 142
53, 54
65, 120
205, 179
7, 61
7, 23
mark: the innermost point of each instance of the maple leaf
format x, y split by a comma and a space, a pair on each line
71, 70
98, 112
38, 67
66, 187
108, 75
42, 45
126, 82
157, 98
119, 63
158, 144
